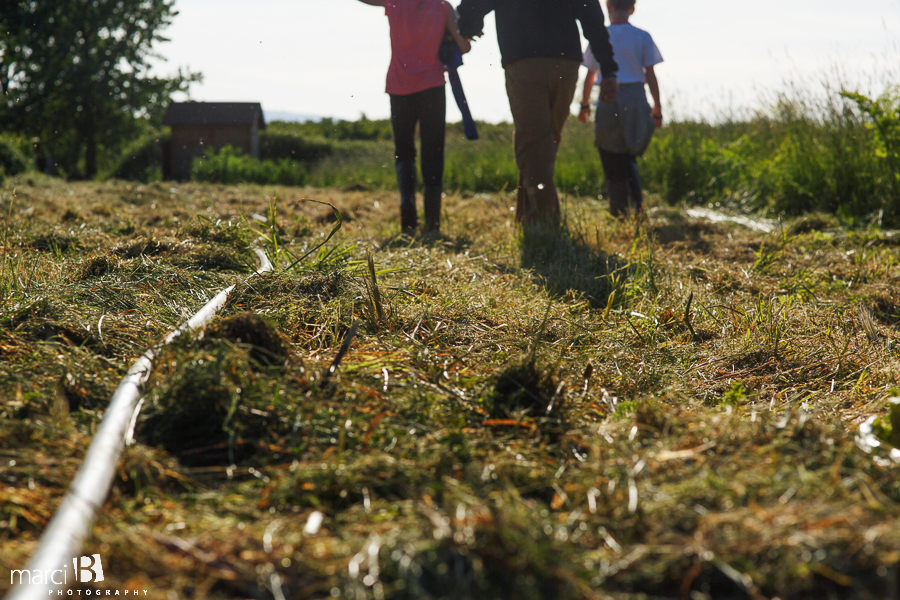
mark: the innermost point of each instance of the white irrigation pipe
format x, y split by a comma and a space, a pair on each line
755, 223
868, 441
62, 539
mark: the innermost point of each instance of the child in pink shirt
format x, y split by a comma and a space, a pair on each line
415, 83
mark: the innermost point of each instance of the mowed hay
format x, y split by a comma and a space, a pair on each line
199, 404
214, 391
705, 395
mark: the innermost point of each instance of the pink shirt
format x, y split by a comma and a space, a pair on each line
417, 28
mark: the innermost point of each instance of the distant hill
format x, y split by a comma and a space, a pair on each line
280, 115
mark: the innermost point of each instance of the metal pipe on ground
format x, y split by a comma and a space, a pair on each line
62, 540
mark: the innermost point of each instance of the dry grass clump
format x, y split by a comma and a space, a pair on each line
144, 247
308, 288
55, 242
886, 307
215, 397
264, 343
668, 410
521, 389
99, 266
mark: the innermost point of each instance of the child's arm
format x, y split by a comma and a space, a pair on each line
453, 28
373, 2
653, 84
585, 113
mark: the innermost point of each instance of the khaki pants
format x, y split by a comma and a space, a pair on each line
540, 93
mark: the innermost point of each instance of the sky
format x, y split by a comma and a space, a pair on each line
329, 58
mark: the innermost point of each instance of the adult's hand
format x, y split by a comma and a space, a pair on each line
609, 90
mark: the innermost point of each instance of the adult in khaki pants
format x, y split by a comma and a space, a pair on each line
540, 47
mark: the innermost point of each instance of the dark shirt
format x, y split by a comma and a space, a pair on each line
542, 28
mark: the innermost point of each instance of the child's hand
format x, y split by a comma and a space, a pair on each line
464, 45
657, 116
584, 114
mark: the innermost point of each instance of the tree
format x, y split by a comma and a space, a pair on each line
75, 74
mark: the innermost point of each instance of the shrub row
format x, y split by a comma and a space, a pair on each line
838, 153
795, 159
142, 159
230, 166
275, 145
329, 129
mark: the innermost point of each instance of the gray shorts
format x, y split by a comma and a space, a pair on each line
627, 125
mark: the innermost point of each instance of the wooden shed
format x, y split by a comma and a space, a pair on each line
202, 127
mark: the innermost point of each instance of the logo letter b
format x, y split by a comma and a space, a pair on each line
90, 569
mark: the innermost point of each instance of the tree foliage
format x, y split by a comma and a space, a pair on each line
75, 74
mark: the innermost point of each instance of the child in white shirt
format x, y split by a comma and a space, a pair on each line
624, 129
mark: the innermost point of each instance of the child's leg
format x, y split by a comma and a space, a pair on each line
634, 186
617, 169
432, 132
403, 123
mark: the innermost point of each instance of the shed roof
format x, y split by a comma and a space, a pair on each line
214, 113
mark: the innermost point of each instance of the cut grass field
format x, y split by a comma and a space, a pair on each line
610, 412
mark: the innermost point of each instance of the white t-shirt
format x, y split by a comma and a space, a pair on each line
634, 51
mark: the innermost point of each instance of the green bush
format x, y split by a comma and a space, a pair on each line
578, 170
801, 155
681, 164
359, 164
824, 159
12, 161
274, 145
470, 168
361, 130
884, 113
141, 160
230, 166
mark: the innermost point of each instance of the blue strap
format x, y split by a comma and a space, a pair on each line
452, 57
